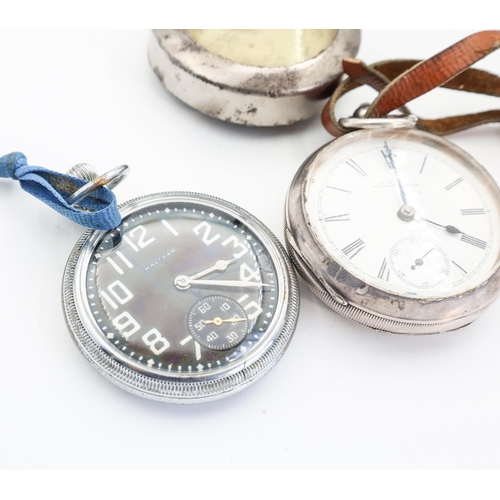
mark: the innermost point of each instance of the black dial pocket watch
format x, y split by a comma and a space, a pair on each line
391, 225
180, 297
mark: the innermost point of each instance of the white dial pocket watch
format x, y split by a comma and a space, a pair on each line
182, 298
395, 227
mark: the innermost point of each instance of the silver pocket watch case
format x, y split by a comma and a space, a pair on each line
252, 77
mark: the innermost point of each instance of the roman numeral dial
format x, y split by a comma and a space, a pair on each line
451, 185
337, 218
353, 248
404, 216
384, 271
472, 211
356, 167
476, 242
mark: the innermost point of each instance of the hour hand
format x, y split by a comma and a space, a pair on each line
449, 228
467, 238
220, 265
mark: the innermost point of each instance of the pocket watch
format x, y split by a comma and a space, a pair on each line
189, 299
252, 77
397, 229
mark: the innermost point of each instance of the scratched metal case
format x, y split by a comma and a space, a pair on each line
367, 304
246, 94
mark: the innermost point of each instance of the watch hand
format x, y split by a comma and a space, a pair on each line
467, 238
184, 282
219, 321
450, 229
220, 265
420, 262
389, 158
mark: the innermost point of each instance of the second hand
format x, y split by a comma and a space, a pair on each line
420, 262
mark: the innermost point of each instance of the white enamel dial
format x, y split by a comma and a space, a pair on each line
404, 216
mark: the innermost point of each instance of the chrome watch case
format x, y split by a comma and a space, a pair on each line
366, 304
180, 388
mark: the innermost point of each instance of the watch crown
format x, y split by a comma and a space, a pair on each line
83, 171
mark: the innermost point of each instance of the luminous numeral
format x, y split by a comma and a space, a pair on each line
126, 324
124, 260
453, 184
474, 241
356, 167
205, 237
353, 248
472, 211
384, 271
119, 292
337, 218
236, 244
247, 274
156, 343
141, 243
251, 306
169, 227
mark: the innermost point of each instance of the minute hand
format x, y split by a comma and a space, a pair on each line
389, 158
228, 283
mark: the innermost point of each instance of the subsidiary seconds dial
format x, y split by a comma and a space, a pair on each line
419, 262
218, 322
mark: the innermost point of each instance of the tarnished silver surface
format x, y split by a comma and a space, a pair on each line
366, 304
404, 121
110, 179
243, 94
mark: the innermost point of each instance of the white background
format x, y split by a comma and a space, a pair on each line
343, 396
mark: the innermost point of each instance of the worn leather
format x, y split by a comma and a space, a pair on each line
401, 81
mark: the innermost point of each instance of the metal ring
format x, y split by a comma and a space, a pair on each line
407, 121
110, 179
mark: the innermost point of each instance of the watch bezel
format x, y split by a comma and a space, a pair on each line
160, 385
367, 303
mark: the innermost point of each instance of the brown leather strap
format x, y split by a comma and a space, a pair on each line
401, 81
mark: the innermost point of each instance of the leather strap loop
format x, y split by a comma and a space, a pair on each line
400, 81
